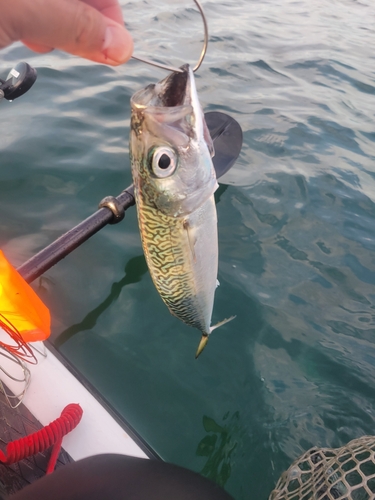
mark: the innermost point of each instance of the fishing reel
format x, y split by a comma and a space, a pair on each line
19, 80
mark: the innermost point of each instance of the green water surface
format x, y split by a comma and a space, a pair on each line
296, 368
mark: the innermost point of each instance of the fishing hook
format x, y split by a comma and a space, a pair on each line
201, 57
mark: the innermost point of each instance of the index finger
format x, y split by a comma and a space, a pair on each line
109, 8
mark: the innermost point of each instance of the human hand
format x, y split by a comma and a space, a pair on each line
93, 29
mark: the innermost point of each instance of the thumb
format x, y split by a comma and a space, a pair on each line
69, 25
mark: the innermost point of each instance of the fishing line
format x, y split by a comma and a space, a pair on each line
25, 379
18, 353
201, 57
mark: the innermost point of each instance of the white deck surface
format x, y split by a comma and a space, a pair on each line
53, 387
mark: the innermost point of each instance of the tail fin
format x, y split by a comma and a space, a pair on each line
204, 339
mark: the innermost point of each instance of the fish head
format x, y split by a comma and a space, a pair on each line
171, 147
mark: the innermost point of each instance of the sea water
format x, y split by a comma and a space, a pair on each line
296, 368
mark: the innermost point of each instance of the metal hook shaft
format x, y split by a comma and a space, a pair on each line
205, 43
201, 57
162, 66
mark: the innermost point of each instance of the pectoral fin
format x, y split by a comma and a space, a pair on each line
191, 239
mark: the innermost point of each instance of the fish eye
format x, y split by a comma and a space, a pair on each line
163, 162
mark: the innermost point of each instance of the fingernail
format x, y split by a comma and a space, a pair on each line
118, 44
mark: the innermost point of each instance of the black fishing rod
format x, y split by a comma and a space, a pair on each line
226, 134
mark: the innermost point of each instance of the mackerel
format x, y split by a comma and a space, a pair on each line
174, 184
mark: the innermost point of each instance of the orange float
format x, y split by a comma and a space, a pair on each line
21, 306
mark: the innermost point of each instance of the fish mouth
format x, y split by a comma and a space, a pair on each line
171, 92
170, 110
175, 88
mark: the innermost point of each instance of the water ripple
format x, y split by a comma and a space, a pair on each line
296, 233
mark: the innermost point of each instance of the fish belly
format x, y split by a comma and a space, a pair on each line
182, 256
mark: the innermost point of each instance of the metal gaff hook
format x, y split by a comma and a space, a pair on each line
203, 52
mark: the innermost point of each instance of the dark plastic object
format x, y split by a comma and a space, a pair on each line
19, 80
227, 137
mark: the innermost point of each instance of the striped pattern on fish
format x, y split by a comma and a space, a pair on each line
176, 259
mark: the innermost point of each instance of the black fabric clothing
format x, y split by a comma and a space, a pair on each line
119, 477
